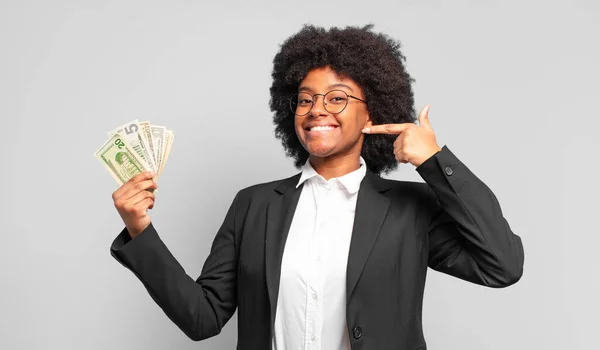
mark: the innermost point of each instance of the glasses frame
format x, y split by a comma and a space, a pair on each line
291, 100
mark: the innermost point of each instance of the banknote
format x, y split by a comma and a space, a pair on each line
121, 161
147, 132
158, 139
134, 137
135, 147
169, 135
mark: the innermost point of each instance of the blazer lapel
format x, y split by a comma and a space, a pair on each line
280, 213
371, 210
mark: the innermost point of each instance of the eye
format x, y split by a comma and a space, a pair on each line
304, 102
337, 99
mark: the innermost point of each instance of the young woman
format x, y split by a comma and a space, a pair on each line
334, 257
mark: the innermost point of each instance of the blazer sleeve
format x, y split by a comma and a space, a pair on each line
469, 238
199, 308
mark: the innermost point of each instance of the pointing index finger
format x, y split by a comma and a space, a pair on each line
387, 128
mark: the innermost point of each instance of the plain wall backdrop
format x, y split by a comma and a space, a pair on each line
514, 92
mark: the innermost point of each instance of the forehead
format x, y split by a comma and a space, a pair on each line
324, 78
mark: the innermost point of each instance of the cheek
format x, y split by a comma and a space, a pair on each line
298, 127
354, 124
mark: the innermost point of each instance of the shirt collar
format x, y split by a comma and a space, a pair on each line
350, 181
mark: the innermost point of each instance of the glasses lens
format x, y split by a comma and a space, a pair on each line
301, 103
336, 101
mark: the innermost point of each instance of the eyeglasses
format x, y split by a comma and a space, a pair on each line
335, 101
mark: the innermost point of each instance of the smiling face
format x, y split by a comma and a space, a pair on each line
327, 136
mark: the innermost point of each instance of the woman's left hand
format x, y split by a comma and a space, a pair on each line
415, 143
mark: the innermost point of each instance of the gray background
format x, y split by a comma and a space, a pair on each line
514, 93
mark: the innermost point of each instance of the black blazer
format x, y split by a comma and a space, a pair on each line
452, 223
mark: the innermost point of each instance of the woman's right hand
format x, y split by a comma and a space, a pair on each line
133, 199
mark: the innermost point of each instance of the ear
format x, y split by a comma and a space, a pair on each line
368, 122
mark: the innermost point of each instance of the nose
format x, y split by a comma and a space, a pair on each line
318, 108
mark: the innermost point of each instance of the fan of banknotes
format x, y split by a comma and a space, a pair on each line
135, 147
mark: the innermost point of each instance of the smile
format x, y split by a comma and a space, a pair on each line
322, 128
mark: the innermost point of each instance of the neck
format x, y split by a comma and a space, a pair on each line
335, 167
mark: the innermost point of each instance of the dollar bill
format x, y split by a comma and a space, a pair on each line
169, 135
158, 140
134, 137
119, 159
147, 132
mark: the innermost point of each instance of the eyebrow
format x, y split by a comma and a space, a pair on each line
332, 86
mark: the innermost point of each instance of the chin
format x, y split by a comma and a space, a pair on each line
321, 155
320, 150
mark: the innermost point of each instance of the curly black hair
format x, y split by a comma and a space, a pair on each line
373, 60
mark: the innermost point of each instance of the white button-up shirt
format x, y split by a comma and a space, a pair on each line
311, 305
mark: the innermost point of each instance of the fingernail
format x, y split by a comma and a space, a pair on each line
366, 130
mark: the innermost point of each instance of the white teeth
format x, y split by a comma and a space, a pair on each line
322, 128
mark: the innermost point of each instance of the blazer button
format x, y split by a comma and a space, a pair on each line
448, 170
357, 332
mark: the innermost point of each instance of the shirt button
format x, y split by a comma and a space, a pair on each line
314, 295
357, 332
448, 171
313, 338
